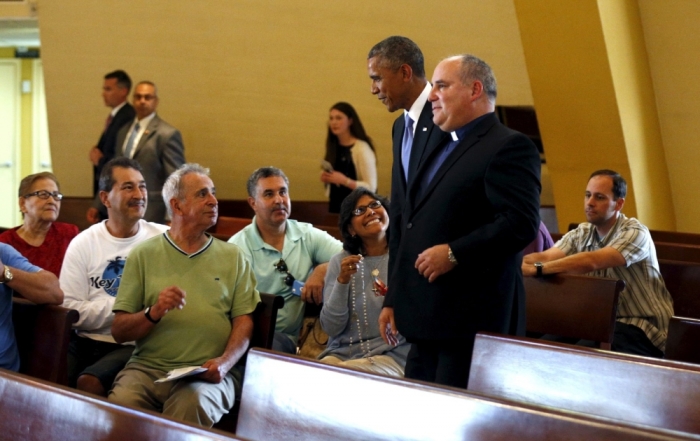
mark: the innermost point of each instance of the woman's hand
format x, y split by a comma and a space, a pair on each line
334, 177
348, 267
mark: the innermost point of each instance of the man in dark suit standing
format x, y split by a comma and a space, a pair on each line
114, 92
473, 204
155, 144
396, 68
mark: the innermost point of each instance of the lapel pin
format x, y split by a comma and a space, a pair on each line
425, 129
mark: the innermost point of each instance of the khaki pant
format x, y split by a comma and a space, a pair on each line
187, 399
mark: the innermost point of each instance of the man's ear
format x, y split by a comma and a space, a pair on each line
406, 72
477, 89
251, 202
104, 198
619, 203
175, 206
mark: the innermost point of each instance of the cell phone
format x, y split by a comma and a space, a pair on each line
326, 166
296, 288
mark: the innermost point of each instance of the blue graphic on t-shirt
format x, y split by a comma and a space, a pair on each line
111, 276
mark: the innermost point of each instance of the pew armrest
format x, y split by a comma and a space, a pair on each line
43, 335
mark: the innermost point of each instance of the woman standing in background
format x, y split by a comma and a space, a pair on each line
350, 153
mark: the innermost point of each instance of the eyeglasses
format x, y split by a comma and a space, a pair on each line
359, 211
281, 266
43, 194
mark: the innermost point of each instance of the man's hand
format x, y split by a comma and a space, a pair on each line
312, 292
95, 155
170, 298
216, 370
434, 262
387, 327
529, 270
93, 215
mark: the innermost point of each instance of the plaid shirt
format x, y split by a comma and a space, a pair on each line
645, 302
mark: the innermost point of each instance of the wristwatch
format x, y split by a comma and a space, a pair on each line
451, 256
7, 275
539, 266
147, 313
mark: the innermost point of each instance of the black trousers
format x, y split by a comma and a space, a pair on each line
443, 362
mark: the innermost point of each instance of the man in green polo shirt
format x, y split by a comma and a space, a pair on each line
186, 300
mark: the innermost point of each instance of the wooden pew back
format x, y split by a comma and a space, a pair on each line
666, 236
682, 280
640, 390
683, 340
36, 410
344, 404
573, 306
43, 334
677, 252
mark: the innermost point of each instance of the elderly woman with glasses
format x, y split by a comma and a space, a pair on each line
41, 239
355, 287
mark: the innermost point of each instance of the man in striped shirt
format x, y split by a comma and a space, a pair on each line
614, 246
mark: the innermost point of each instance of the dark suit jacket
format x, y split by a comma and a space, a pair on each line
484, 203
426, 138
108, 140
159, 152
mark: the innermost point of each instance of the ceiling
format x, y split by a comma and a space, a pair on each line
19, 32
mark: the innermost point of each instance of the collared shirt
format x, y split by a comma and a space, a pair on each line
457, 136
143, 125
417, 106
117, 109
645, 302
304, 248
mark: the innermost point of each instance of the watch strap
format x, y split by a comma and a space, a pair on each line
147, 313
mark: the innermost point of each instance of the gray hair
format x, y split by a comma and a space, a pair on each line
262, 173
172, 189
474, 68
395, 51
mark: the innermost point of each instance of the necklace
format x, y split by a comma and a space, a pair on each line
379, 288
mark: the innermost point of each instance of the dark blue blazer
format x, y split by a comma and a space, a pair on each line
484, 203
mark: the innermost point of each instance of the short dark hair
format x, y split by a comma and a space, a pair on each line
353, 244
28, 181
619, 184
123, 79
262, 173
395, 51
474, 68
107, 176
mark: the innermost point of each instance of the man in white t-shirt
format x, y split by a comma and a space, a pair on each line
91, 274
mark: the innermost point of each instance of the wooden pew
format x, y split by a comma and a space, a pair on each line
677, 252
667, 236
228, 226
264, 320
683, 342
682, 280
73, 210
658, 393
313, 212
33, 409
43, 334
574, 306
345, 404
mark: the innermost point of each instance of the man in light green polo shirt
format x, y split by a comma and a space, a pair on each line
186, 300
282, 250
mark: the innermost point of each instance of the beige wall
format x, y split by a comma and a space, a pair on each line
671, 35
250, 83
